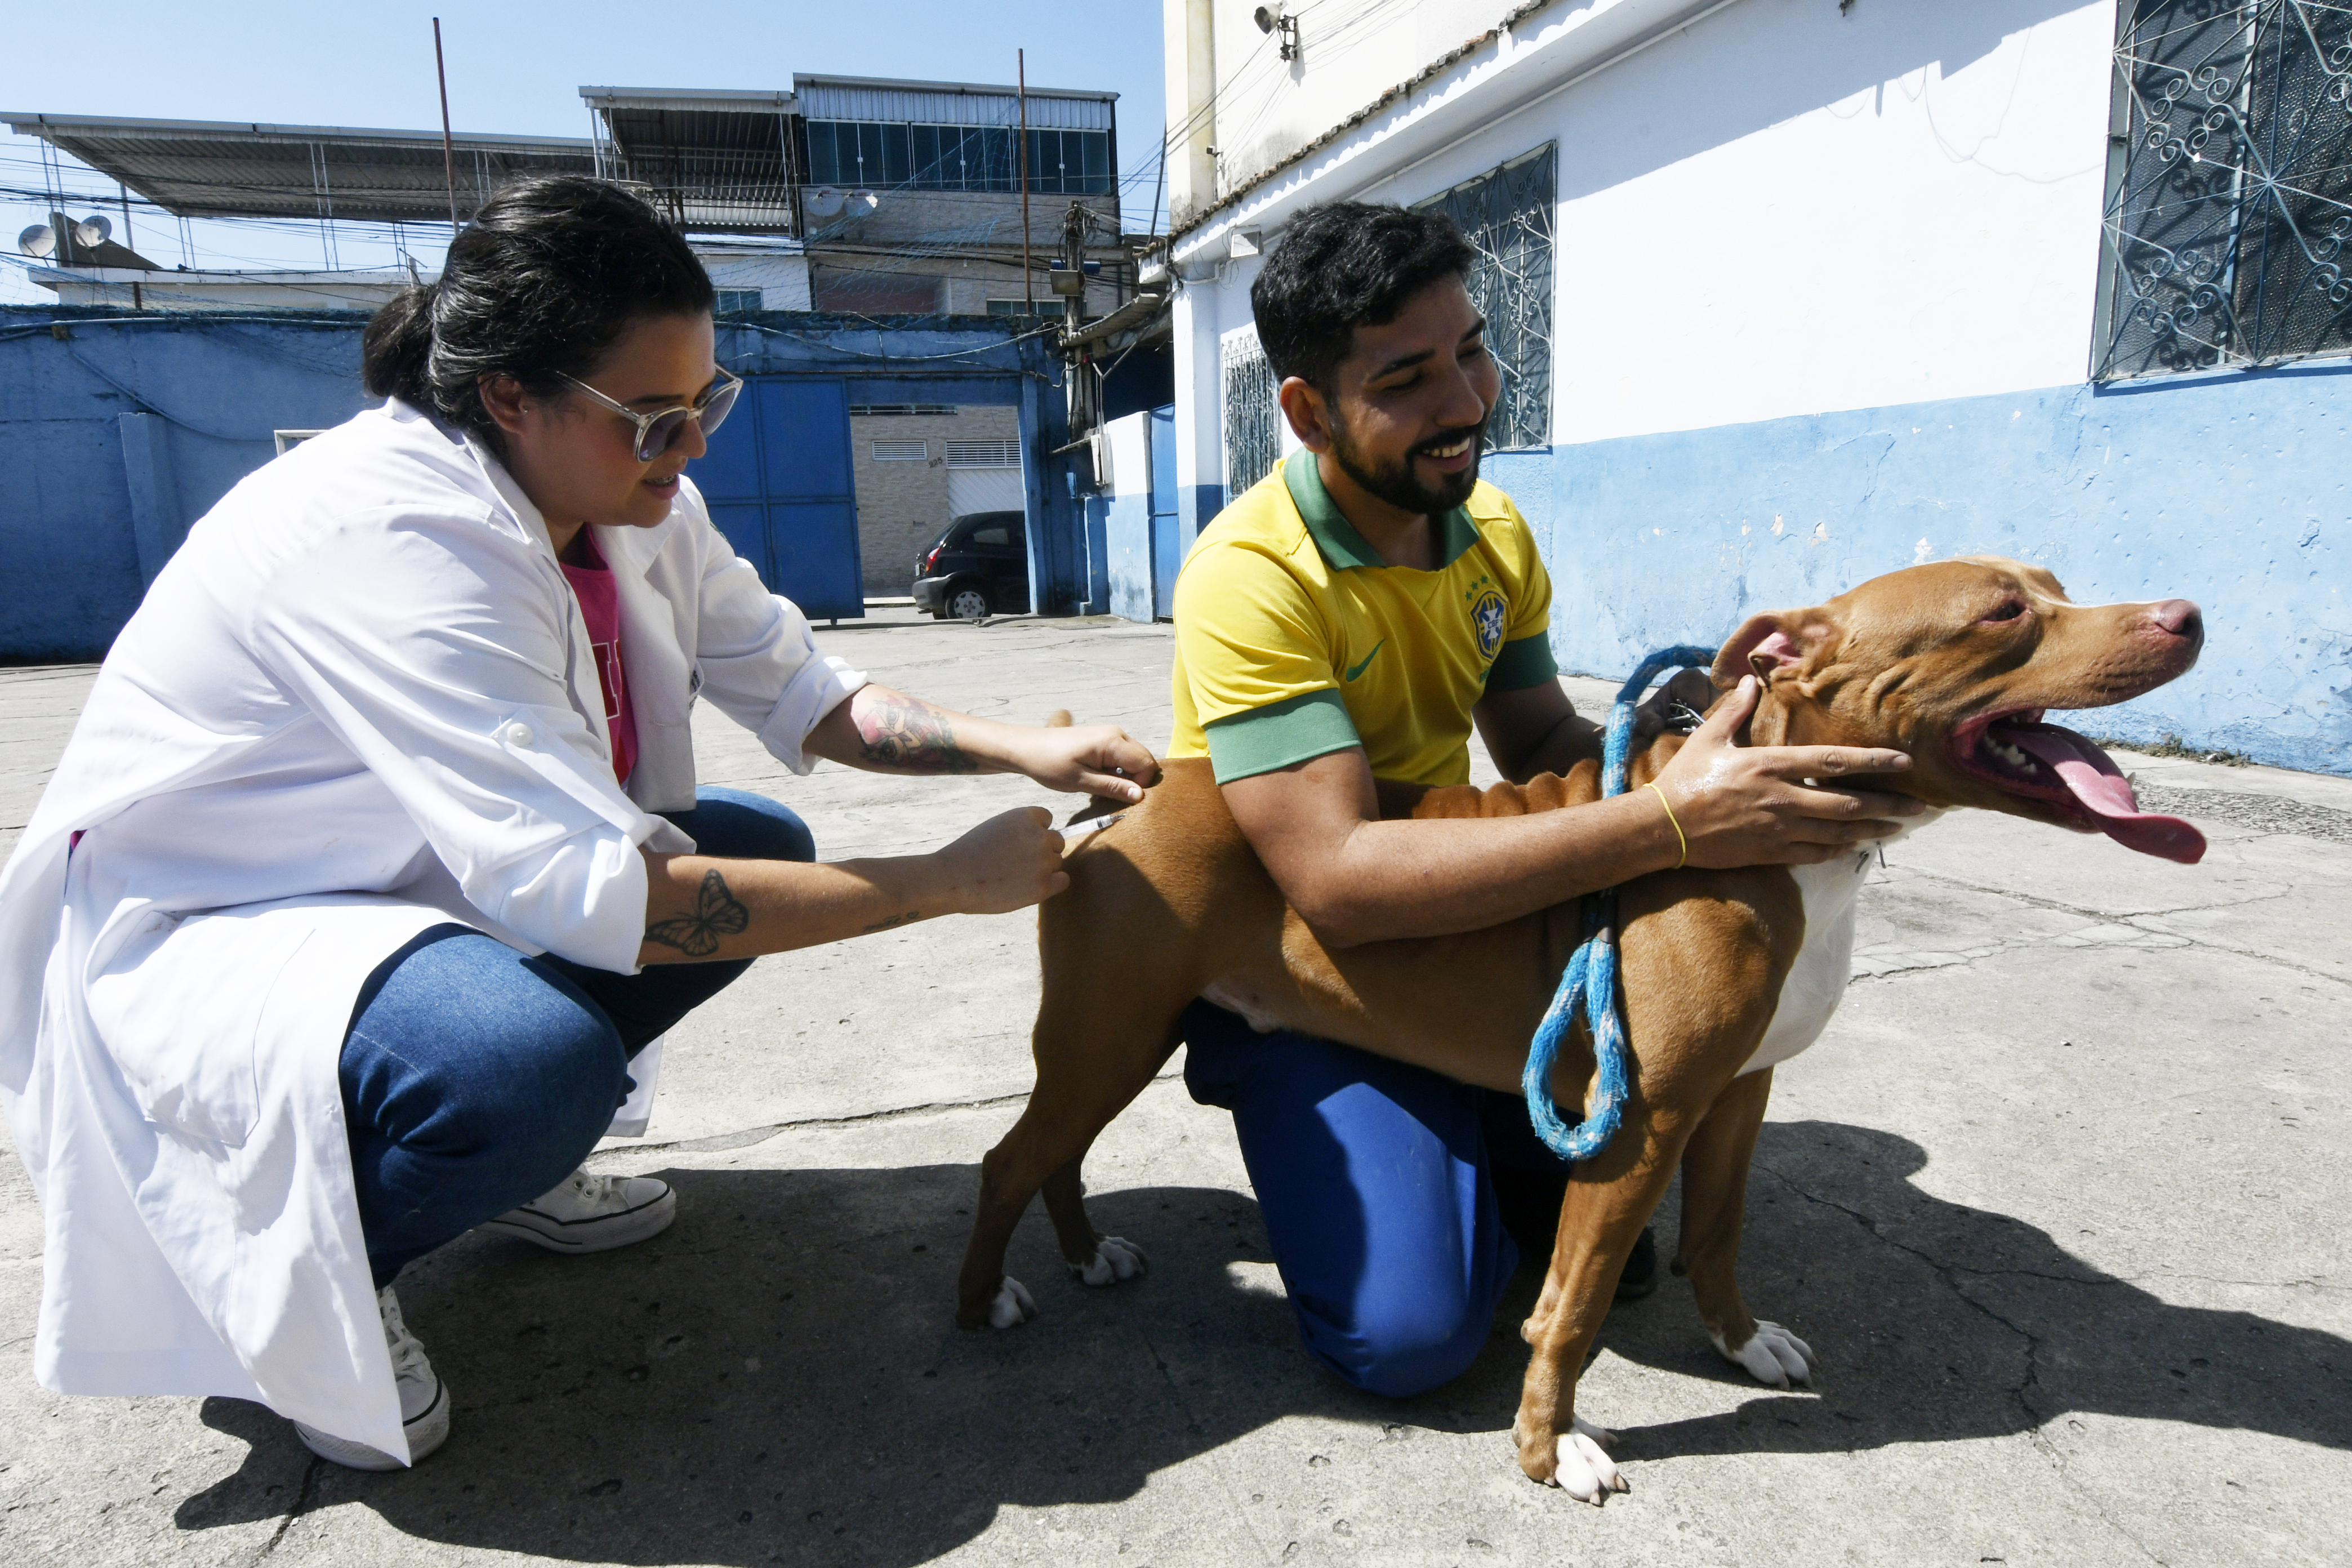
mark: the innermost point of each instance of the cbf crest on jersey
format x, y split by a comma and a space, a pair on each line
1489, 613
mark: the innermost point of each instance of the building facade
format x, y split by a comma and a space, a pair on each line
1789, 293
919, 465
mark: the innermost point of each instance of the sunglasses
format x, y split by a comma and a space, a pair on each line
657, 433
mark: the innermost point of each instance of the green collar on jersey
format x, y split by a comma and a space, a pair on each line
1336, 538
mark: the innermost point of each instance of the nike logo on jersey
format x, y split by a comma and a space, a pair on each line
1358, 670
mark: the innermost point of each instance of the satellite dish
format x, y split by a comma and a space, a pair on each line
93, 230
825, 200
863, 202
37, 241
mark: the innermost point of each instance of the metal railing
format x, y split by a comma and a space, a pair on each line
2229, 187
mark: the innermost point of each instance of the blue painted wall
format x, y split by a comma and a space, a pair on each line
2227, 490
201, 400
127, 428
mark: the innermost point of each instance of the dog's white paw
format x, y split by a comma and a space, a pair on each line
1584, 1470
1116, 1259
1773, 1356
1012, 1306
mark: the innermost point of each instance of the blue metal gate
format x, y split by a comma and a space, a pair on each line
778, 481
1167, 532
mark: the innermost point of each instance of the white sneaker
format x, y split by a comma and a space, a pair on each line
591, 1214
423, 1401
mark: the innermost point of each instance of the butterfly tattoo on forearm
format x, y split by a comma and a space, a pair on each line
717, 913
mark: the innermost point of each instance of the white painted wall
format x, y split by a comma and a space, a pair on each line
1773, 208
1927, 234
123, 286
781, 276
1350, 51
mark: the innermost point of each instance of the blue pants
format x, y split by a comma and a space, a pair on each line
476, 1079
1376, 1181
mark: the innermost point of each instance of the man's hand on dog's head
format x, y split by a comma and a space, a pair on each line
1754, 806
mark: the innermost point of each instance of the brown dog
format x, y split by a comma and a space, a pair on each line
1726, 973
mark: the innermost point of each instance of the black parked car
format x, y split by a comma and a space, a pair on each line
978, 566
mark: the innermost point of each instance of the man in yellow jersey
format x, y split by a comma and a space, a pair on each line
1346, 621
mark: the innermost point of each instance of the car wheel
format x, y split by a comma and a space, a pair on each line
967, 602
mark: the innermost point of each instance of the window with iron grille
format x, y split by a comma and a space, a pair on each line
730, 301
1253, 417
1506, 216
896, 451
2229, 206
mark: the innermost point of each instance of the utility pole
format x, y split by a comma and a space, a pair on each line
1021, 80
449, 151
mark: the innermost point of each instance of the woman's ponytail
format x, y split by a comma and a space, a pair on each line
538, 286
397, 349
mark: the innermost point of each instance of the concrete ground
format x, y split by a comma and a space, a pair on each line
2058, 1202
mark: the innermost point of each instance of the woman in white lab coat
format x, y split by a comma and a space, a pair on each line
377, 851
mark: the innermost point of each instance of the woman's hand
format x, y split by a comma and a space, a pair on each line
1752, 805
1008, 862
1095, 759
699, 907
891, 732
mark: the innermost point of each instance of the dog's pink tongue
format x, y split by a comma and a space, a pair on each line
2091, 777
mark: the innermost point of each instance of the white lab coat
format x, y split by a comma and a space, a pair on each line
360, 702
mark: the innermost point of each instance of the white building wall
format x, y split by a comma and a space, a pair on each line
1825, 285
781, 276
1776, 208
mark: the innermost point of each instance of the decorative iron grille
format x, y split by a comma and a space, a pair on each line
1253, 427
1506, 216
2229, 202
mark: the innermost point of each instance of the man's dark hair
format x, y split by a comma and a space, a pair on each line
1342, 266
540, 286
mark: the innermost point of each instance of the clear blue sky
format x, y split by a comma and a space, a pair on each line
517, 66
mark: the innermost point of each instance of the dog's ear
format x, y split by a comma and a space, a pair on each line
1762, 646
1771, 644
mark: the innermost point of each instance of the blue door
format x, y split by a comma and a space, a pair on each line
778, 482
1166, 537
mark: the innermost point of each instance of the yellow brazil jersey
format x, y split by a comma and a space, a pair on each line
1294, 639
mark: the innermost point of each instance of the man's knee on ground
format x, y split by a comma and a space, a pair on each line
1402, 1346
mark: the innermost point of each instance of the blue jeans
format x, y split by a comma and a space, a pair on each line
476, 1079
1376, 1179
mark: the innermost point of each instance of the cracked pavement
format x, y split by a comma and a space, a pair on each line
2058, 1201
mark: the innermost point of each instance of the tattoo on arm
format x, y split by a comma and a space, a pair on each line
909, 918
717, 913
908, 735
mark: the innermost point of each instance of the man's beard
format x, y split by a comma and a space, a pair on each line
1395, 483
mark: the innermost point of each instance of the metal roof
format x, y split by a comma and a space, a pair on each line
686, 98
720, 161
201, 168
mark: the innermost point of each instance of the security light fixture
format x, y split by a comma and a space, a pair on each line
1270, 19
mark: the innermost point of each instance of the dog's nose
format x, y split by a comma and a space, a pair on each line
2180, 617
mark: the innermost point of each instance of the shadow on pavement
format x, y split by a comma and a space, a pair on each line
778, 1379
1935, 1321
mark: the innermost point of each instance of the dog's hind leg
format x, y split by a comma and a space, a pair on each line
1715, 1203
1069, 1107
1094, 1259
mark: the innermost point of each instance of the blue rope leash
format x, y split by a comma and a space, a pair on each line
1590, 983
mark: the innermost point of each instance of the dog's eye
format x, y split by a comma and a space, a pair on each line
2007, 612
